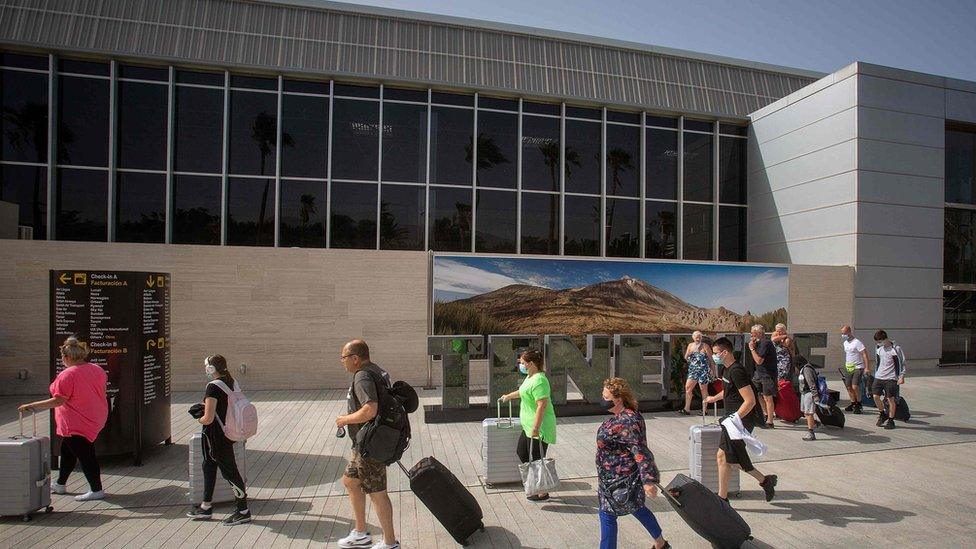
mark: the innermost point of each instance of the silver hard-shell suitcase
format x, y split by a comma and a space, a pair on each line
222, 489
499, 461
702, 448
25, 473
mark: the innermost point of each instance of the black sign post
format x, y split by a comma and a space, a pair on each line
124, 319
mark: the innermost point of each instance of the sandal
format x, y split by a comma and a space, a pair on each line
684, 412
538, 497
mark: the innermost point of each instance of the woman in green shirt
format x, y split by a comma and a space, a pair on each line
535, 412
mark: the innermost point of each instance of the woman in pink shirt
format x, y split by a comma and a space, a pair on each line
80, 411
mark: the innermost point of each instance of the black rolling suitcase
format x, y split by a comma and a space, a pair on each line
448, 500
831, 415
707, 514
902, 412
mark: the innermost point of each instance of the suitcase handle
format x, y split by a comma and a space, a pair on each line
499, 416
404, 469
667, 495
21, 419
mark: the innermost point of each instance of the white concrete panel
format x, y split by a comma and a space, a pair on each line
961, 85
830, 100
895, 251
911, 129
896, 313
831, 161
907, 190
900, 96
892, 73
825, 222
881, 156
872, 281
834, 129
920, 346
822, 193
961, 106
886, 219
836, 250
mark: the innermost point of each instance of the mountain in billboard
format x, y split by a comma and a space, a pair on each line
626, 305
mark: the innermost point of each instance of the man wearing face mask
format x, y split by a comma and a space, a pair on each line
740, 399
764, 355
855, 367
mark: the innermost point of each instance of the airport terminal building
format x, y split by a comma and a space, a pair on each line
293, 164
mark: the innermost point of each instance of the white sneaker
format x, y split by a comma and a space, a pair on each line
91, 496
59, 488
356, 539
381, 545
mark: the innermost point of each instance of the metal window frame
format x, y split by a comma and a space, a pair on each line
224, 161
379, 168
562, 179
277, 176
474, 178
427, 235
715, 190
680, 236
643, 186
52, 140
603, 183
518, 186
328, 171
170, 146
113, 119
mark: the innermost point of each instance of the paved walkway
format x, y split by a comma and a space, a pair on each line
858, 486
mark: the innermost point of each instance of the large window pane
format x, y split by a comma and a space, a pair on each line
731, 233
305, 120
662, 164
583, 144
303, 214
497, 149
540, 153
82, 203
623, 228
402, 209
142, 121
582, 226
960, 232
23, 124
540, 223
698, 167
450, 145
26, 186
958, 327
495, 222
354, 215
623, 161
196, 210
254, 133
960, 161
355, 145
661, 230
140, 207
250, 212
199, 130
83, 121
450, 219
732, 170
697, 231
404, 142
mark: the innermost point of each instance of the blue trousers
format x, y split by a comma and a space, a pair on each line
608, 527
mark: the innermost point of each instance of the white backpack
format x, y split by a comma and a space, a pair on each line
242, 417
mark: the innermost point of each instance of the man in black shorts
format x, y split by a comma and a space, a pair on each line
764, 355
888, 376
739, 399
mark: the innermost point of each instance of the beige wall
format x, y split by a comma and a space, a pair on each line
283, 312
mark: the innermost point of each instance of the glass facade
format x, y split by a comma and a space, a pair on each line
959, 257
166, 155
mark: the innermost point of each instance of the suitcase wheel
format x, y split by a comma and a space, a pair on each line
27, 518
49, 509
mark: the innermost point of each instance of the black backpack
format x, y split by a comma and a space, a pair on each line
385, 437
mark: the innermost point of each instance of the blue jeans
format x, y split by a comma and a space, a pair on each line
608, 527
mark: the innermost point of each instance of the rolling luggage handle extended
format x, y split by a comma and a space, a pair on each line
504, 422
34, 417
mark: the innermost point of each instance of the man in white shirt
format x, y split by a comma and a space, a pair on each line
888, 376
856, 366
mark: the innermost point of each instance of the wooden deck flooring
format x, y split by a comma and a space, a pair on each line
860, 485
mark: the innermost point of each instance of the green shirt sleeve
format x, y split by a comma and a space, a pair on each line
541, 389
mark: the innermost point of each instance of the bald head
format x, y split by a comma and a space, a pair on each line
356, 347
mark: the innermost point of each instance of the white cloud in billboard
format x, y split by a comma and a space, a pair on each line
457, 278
766, 292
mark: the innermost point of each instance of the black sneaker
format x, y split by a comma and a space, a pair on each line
882, 417
769, 486
890, 424
858, 409
850, 407
199, 513
684, 412
237, 518
810, 436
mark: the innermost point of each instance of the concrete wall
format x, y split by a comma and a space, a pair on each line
850, 171
283, 312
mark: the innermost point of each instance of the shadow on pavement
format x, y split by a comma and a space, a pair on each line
840, 514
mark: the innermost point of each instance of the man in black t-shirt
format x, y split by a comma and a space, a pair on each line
740, 398
764, 355
364, 476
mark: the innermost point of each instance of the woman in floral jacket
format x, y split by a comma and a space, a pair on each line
625, 467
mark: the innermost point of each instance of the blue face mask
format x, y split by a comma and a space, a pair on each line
717, 359
522, 369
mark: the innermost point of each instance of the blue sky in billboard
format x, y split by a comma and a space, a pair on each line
739, 288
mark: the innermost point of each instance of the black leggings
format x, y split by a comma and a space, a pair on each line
220, 455
74, 449
538, 448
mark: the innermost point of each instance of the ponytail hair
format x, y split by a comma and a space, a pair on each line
74, 350
219, 364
